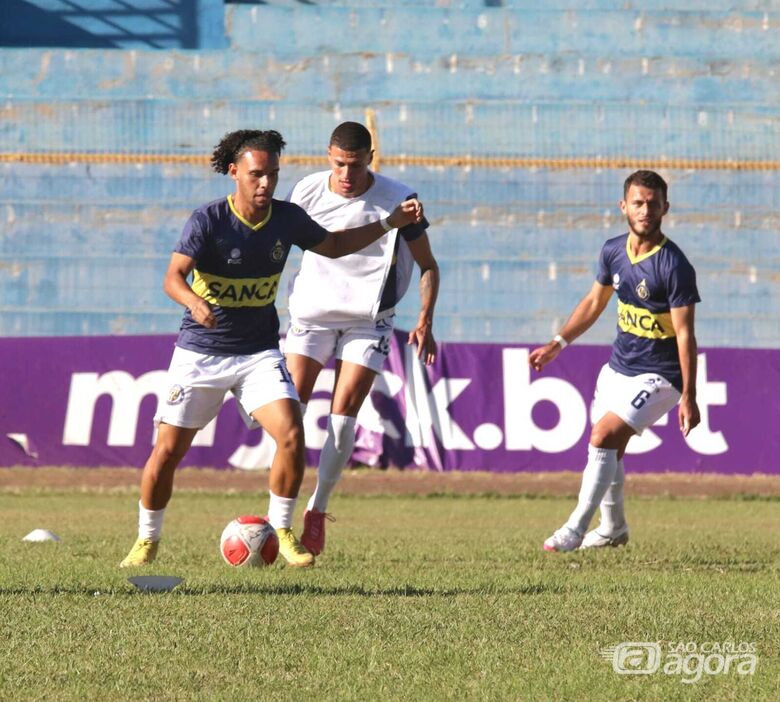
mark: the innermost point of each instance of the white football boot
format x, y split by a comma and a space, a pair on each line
563, 540
596, 539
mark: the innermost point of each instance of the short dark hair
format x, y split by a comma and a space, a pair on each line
351, 136
234, 144
647, 179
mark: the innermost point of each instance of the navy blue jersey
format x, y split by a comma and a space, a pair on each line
647, 288
237, 270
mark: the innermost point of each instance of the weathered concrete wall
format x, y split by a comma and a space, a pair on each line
83, 245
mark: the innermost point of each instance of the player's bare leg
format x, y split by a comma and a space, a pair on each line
156, 489
611, 432
157, 480
282, 420
352, 385
608, 441
351, 388
304, 372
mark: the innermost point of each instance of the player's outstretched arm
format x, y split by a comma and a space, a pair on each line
422, 334
176, 287
582, 318
347, 241
682, 321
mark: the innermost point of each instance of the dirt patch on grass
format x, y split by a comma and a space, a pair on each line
397, 482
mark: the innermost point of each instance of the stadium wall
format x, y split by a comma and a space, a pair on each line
516, 125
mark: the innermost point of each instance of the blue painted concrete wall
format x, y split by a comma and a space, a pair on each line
83, 246
494, 129
312, 30
390, 78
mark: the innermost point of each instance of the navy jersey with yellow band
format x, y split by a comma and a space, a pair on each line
647, 286
237, 270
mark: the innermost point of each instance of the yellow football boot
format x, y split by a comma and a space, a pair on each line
293, 550
143, 553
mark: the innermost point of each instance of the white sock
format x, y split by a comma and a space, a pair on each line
613, 517
150, 522
596, 478
303, 409
280, 511
334, 456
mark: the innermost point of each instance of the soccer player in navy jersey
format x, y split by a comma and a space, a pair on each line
653, 363
235, 249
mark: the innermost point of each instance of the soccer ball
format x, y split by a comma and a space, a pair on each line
249, 541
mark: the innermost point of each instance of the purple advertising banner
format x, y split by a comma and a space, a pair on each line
90, 401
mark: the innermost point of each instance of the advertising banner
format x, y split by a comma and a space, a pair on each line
90, 401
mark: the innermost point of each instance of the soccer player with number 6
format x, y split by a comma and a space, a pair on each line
235, 249
653, 363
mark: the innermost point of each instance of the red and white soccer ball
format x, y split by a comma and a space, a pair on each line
249, 541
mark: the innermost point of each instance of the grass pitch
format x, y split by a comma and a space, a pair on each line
426, 598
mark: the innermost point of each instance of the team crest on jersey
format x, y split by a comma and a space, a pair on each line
642, 291
616, 281
175, 395
277, 252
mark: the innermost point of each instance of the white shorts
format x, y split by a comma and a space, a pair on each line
198, 382
639, 400
367, 345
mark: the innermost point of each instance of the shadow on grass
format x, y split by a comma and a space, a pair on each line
288, 589
362, 591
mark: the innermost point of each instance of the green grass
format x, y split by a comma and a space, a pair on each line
415, 599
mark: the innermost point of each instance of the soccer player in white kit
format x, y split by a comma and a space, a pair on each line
653, 363
345, 308
235, 249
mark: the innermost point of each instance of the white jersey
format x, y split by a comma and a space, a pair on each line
328, 293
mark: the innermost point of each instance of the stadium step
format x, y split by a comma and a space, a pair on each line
331, 76
314, 30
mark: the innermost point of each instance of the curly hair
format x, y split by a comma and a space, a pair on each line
647, 179
234, 144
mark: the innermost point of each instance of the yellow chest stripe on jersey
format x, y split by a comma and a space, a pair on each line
644, 323
235, 292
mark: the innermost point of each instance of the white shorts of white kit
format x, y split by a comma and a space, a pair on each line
639, 400
198, 382
367, 345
